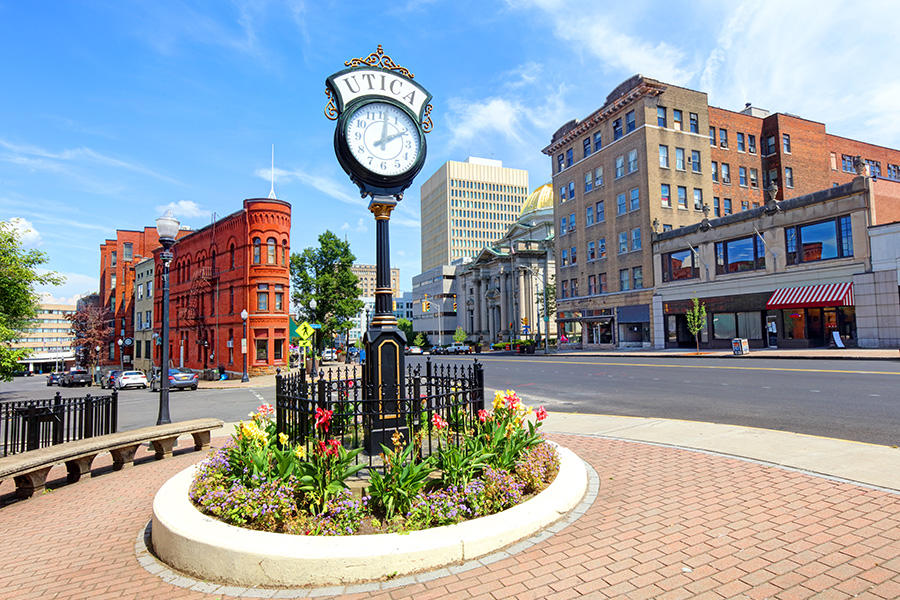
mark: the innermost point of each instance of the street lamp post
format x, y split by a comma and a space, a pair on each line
96, 373
166, 228
244, 314
121, 358
312, 308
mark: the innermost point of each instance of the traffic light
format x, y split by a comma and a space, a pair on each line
426, 306
454, 307
525, 321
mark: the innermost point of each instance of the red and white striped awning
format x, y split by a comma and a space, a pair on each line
813, 296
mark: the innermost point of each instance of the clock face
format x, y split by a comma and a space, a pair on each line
383, 138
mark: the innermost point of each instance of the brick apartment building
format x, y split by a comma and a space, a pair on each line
118, 258
652, 158
239, 262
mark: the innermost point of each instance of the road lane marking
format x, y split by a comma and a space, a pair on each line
666, 366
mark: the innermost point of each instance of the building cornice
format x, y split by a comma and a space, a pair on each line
644, 88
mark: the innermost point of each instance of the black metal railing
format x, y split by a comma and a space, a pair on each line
366, 415
32, 424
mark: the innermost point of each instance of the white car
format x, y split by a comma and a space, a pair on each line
329, 354
458, 348
131, 379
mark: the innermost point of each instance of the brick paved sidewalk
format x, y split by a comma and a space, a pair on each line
667, 523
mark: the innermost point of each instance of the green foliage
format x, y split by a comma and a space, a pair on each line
460, 335
404, 477
550, 290
406, 326
507, 432
461, 460
324, 274
18, 299
421, 339
696, 320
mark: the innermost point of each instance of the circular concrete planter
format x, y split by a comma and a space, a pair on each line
204, 547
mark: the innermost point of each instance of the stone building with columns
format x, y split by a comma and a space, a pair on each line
499, 292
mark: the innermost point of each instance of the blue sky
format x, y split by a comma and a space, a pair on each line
112, 111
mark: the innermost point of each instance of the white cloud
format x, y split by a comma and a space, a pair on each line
359, 228
28, 235
184, 208
76, 285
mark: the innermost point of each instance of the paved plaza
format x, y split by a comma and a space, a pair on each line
665, 522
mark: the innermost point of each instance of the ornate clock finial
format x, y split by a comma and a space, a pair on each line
379, 59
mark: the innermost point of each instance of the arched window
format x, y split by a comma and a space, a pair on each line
270, 258
256, 250
284, 253
232, 256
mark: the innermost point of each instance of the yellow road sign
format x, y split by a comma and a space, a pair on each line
304, 330
305, 343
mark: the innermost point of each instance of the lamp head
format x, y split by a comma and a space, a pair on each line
167, 228
244, 314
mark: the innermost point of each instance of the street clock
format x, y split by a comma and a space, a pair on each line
382, 117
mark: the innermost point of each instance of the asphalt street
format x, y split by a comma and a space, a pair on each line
852, 400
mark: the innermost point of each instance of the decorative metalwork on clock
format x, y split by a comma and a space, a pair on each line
379, 59
427, 124
330, 109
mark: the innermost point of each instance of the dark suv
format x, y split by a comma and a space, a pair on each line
73, 377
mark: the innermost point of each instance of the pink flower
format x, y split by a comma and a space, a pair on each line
512, 401
483, 415
266, 409
540, 414
438, 422
323, 419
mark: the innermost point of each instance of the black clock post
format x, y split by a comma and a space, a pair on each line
382, 116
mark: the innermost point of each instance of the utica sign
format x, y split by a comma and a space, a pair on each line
357, 83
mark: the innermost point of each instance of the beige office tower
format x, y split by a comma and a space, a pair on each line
467, 206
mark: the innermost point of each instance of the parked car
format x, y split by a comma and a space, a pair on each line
53, 378
131, 379
438, 350
179, 379
458, 348
413, 350
75, 376
108, 380
329, 354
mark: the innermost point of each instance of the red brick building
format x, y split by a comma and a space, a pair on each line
751, 148
239, 262
117, 260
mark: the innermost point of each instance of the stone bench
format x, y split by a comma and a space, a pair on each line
30, 469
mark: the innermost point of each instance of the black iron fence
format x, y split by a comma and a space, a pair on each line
366, 415
32, 424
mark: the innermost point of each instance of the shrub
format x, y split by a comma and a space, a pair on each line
498, 491
405, 475
440, 507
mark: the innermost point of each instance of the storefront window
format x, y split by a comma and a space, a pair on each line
723, 326
819, 241
793, 321
262, 350
745, 254
278, 349
749, 325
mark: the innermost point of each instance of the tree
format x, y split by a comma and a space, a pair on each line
696, 320
550, 289
421, 339
19, 301
324, 274
91, 329
406, 326
460, 335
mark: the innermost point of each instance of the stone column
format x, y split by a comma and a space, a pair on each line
482, 303
504, 302
523, 312
476, 306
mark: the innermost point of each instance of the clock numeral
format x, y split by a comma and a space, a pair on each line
396, 164
360, 149
361, 124
370, 160
383, 165
358, 136
408, 144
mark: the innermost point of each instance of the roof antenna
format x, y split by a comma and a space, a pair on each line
272, 191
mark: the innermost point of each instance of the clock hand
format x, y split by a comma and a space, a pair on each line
383, 141
384, 128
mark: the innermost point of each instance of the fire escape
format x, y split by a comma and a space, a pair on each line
194, 315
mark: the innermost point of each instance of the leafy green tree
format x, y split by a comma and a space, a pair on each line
19, 301
696, 320
91, 329
323, 274
406, 326
421, 339
460, 335
550, 289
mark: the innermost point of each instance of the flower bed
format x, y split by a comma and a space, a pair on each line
260, 482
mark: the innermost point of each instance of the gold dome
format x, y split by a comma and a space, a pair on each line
540, 198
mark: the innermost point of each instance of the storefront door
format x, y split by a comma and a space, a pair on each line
772, 330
